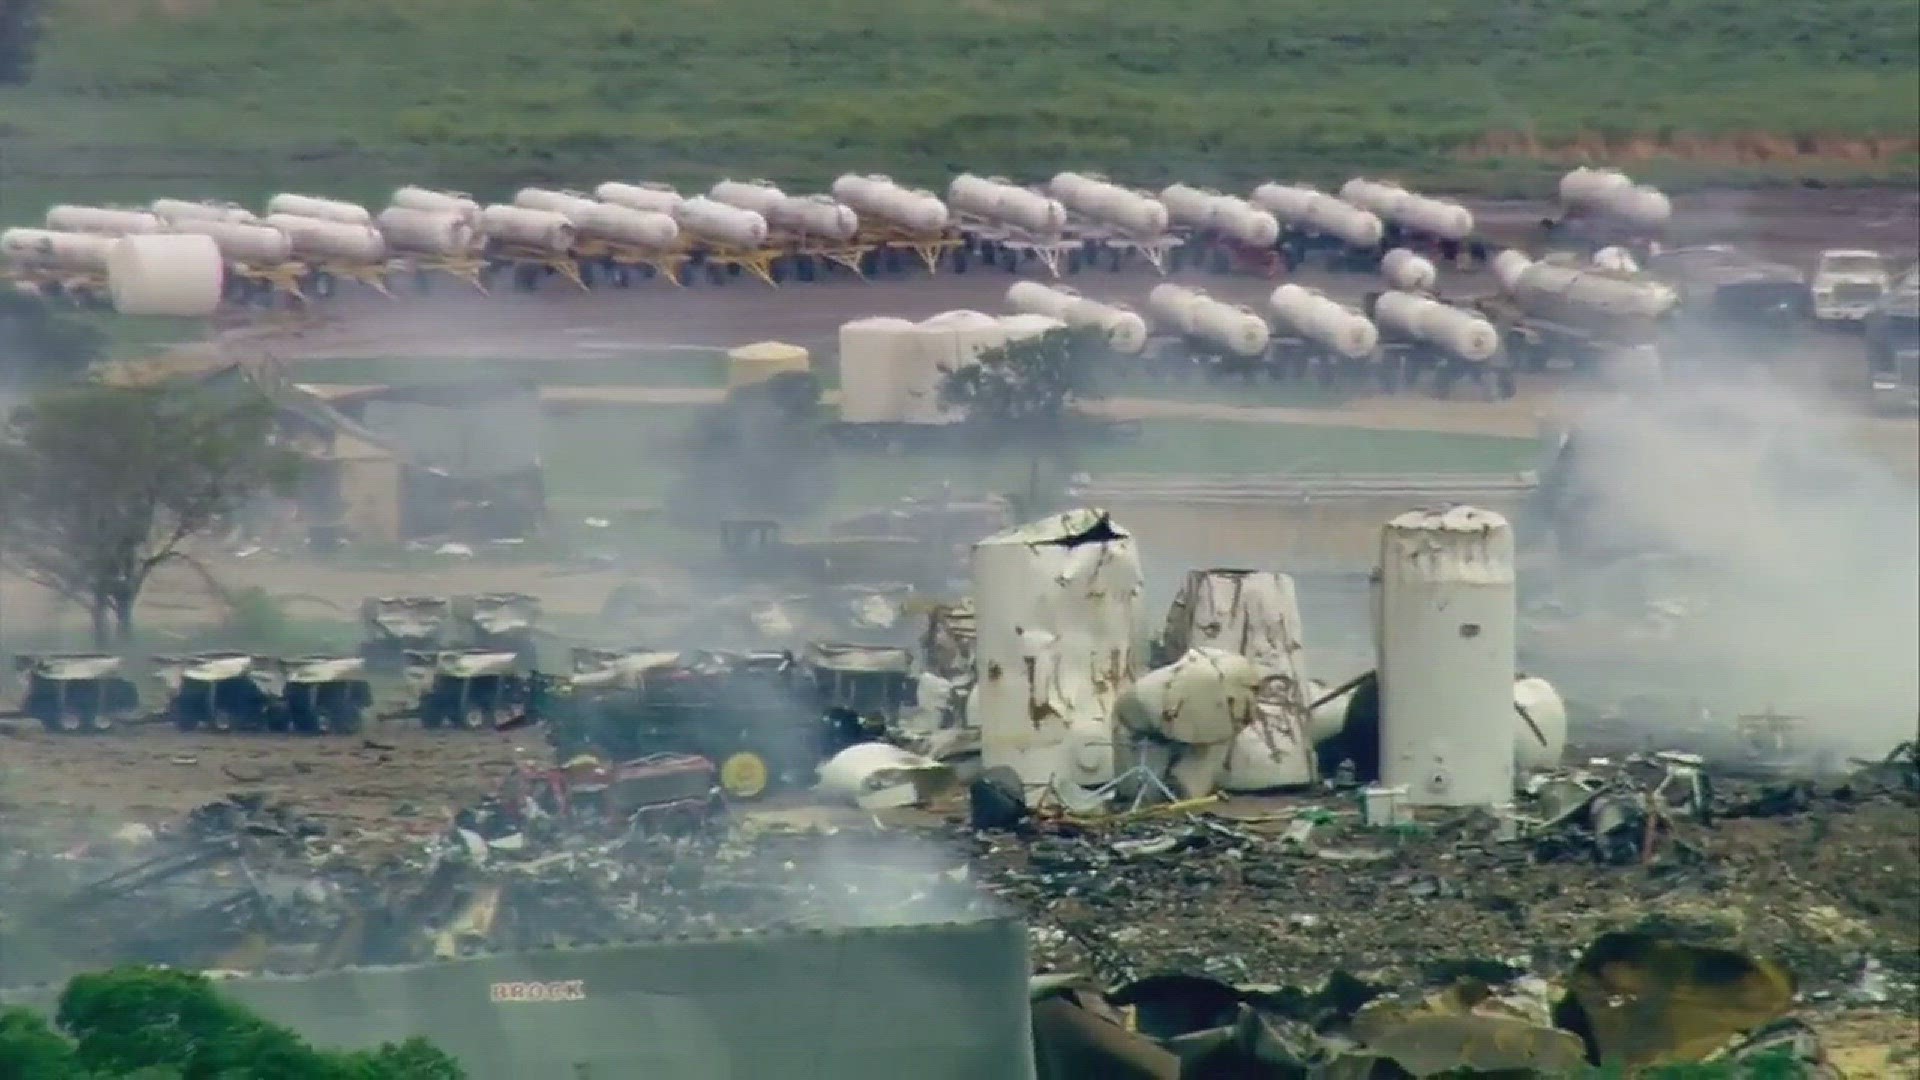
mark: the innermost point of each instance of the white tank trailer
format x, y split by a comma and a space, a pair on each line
721, 223
1004, 202
102, 220
458, 203
175, 211
1126, 331
759, 196
1611, 195
1135, 213
425, 232
1288, 202
1195, 315
1582, 296
818, 216
1324, 321
1459, 333
1228, 215
1055, 606
1445, 634
645, 195
315, 238
318, 209
1349, 224
544, 231
242, 242
570, 204
647, 229
174, 274
1408, 271
46, 249
880, 199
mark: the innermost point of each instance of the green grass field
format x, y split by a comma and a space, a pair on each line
136, 98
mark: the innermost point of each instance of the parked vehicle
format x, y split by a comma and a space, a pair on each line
221, 691
1847, 283
475, 689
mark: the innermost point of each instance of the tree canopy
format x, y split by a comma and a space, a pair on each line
1029, 386
100, 486
140, 1023
764, 452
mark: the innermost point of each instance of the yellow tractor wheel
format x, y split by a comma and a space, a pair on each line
743, 775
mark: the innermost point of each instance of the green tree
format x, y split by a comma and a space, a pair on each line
100, 486
1027, 388
39, 344
155, 1024
764, 452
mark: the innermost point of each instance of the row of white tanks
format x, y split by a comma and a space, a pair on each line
1060, 700
891, 369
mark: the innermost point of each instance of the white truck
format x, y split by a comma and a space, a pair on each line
1847, 284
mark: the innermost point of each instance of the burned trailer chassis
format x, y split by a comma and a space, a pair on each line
80, 705
475, 703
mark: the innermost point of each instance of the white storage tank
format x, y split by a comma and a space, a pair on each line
946, 342
878, 197
1245, 223
1172, 307
1182, 720
1190, 206
759, 196
1324, 321
1101, 200
815, 215
241, 242
1000, 200
1056, 603
1126, 330
569, 204
1288, 202
625, 225
873, 353
457, 203
175, 211
1342, 221
1642, 207
308, 206
1378, 197
1544, 286
721, 223
1460, 333
1508, 266
537, 230
1593, 189
104, 220
427, 232
1433, 217
646, 195
1445, 636
315, 238
177, 275
1408, 271
49, 250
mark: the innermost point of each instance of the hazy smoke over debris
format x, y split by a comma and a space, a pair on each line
1791, 552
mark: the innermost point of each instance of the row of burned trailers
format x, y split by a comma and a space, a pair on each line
77, 693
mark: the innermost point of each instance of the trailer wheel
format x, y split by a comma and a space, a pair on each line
744, 775
68, 721
345, 720
896, 261
476, 718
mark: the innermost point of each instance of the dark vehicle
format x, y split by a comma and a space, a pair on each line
1724, 285
1893, 346
476, 689
219, 691
762, 718
77, 692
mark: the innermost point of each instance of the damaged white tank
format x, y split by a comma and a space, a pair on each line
1055, 605
1445, 635
1182, 720
1255, 614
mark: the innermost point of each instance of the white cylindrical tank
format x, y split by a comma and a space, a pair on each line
1037, 298
1540, 724
308, 206
946, 342
1616, 260
50, 250
103, 220
872, 353
1101, 200
1459, 332
1434, 217
659, 198
1026, 326
1408, 271
1004, 201
1055, 603
1641, 207
1342, 221
1446, 656
1508, 266
457, 203
1592, 189
1378, 197
178, 275
879, 198
1288, 202
722, 223
1190, 206
815, 215
569, 204
1245, 223
1073, 188
428, 232
1550, 286
175, 211
1172, 307
315, 238
1126, 330
240, 242
1236, 329
1325, 321
520, 226
1200, 703
759, 196
625, 225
